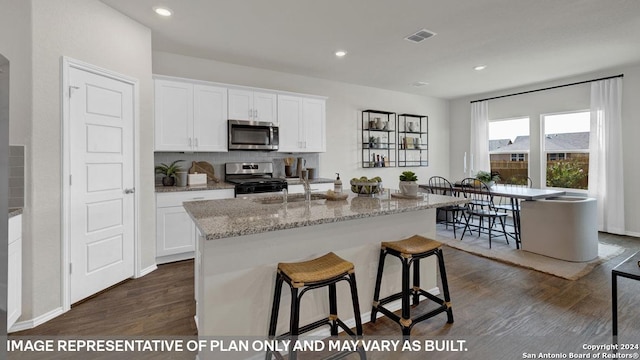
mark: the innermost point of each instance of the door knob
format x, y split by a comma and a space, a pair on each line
129, 191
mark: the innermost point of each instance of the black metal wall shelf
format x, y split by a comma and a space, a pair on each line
378, 139
413, 140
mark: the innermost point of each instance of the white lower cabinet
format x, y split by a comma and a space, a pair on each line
175, 232
14, 275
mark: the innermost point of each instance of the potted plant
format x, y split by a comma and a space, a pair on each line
487, 177
408, 185
169, 172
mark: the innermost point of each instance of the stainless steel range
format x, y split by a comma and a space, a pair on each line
253, 178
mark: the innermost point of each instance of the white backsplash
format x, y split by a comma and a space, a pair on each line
219, 159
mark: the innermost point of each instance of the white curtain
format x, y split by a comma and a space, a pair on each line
605, 157
479, 137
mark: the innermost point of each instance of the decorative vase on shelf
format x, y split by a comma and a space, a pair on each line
168, 181
409, 188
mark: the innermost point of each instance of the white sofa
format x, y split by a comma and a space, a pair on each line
563, 227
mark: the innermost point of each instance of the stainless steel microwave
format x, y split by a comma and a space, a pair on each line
253, 135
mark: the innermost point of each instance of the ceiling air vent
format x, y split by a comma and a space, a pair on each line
420, 35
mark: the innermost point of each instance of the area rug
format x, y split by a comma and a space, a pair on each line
500, 251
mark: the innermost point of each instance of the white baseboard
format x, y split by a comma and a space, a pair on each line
632, 233
147, 270
30, 324
175, 257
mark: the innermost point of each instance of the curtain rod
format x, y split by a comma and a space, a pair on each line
549, 88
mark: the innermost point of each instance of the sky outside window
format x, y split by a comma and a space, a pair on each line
508, 129
567, 123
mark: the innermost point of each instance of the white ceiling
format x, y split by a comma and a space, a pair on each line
521, 41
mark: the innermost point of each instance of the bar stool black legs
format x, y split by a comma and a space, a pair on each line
410, 251
301, 277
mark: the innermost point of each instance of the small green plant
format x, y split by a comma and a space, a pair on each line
169, 170
408, 176
486, 177
566, 174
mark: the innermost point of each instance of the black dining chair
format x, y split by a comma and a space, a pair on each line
441, 186
478, 192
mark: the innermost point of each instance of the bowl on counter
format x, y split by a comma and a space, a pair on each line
366, 188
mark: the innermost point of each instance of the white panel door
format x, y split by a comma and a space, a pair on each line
210, 118
313, 115
102, 178
173, 104
289, 117
265, 106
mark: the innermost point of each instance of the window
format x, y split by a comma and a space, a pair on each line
509, 148
566, 150
517, 157
555, 156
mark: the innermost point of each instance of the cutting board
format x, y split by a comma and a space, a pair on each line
203, 167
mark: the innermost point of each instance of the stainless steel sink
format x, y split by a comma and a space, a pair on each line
290, 198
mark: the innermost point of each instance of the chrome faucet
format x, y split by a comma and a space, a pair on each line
307, 189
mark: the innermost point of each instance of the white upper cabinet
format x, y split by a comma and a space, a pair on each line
173, 103
190, 117
210, 118
302, 124
252, 105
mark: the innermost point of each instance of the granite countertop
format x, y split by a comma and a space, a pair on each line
209, 186
14, 212
297, 181
237, 217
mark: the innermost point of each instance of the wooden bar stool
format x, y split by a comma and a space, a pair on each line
410, 251
326, 270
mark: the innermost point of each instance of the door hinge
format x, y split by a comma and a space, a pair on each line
70, 180
70, 268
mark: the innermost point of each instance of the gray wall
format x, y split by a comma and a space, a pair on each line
4, 197
16, 176
559, 100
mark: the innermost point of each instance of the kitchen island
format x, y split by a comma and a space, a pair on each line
242, 240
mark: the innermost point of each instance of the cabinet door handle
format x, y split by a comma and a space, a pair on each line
189, 142
255, 114
250, 113
196, 142
129, 191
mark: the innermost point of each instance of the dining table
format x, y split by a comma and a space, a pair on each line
514, 193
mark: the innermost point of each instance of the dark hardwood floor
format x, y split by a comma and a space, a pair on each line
495, 306
160, 303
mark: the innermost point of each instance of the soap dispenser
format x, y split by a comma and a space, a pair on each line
337, 185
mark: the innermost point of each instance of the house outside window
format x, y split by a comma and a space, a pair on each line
509, 148
566, 150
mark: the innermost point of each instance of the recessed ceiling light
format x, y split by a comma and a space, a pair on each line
480, 67
162, 11
341, 53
